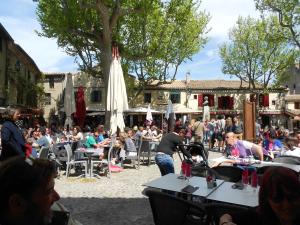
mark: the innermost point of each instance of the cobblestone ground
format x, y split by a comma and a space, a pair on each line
118, 200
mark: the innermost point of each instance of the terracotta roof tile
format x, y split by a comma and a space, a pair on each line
200, 84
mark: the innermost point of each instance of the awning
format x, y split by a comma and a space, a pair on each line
95, 114
141, 110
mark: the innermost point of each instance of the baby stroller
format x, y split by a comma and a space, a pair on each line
200, 156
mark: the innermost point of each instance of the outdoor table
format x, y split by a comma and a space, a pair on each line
290, 166
171, 182
260, 164
225, 193
89, 152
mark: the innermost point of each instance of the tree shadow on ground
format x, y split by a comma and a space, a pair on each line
109, 211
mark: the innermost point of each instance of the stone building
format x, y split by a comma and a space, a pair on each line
19, 76
225, 98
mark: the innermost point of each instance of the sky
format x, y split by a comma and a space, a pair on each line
19, 19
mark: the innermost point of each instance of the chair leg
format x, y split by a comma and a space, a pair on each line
86, 167
67, 170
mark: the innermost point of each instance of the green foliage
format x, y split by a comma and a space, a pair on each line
288, 12
153, 36
257, 52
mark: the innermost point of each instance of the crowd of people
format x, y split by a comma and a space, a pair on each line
27, 182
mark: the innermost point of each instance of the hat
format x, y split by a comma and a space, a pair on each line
135, 128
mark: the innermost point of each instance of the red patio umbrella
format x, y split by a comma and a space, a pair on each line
80, 107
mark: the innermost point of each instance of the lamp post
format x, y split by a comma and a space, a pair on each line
188, 90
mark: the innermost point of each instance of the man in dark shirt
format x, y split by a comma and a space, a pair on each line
166, 149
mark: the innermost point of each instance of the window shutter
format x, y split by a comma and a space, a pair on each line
200, 100
266, 100
231, 102
219, 102
211, 100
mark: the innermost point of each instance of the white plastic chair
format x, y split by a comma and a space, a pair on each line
71, 161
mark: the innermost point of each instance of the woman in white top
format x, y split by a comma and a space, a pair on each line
77, 134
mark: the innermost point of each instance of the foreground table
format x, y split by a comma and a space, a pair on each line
223, 192
226, 194
171, 182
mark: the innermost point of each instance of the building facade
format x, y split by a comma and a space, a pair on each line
19, 76
225, 97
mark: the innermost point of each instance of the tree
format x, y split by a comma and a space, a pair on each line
152, 35
257, 52
288, 12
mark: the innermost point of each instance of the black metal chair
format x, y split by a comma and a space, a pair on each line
170, 210
44, 152
216, 210
228, 173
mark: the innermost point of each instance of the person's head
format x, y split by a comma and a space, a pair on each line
180, 131
48, 131
298, 137
123, 136
27, 191
290, 143
42, 131
228, 121
76, 129
129, 132
230, 138
135, 128
153, 128
235, 119
279, 195
12, 113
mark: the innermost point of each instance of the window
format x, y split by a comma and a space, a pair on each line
51, 82
195, 96
147, 97
273, 102
297, 105
96, 96
175, 97
47, 98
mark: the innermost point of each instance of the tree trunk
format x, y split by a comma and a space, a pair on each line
106, 57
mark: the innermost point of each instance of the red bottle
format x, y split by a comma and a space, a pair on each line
254, 179
245, 177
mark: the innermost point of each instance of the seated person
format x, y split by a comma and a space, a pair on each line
27, 191
77, 134
290, 148
147, 133
271, 143
279, 201
91, 143
128, 145
240, 149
